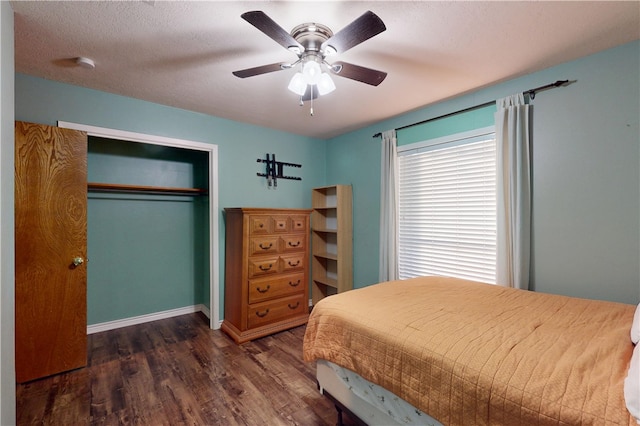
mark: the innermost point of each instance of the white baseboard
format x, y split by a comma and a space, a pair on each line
111, 325
204, 310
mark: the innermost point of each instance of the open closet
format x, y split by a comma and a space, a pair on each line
152, 233
146, 210
147, 229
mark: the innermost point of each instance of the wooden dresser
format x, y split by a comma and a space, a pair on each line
266, 271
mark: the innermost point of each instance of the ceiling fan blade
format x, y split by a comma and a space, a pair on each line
363, 28
261, 21
356, 72
250, 72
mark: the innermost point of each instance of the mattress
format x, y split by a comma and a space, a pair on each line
472, 353
371, 403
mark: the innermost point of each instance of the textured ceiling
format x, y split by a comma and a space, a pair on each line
182, 53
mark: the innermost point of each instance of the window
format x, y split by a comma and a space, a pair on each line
447, 207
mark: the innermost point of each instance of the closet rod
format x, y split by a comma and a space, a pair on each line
530, 92
141, 189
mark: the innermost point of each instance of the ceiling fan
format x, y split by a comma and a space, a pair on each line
313, 43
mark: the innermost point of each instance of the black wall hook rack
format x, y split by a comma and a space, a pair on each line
274, 170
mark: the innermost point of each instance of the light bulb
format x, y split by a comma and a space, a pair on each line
325, 84
297, 84
311, 72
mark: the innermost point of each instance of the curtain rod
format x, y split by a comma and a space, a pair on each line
530, 92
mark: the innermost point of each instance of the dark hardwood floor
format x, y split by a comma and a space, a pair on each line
177, 371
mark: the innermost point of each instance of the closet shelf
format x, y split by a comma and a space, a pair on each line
141, 189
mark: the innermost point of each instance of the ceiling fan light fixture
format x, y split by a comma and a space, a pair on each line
297, 84
325, 84
311, 72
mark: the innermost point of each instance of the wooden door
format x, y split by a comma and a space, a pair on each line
50, 234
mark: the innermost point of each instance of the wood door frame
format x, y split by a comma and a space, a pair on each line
212, 150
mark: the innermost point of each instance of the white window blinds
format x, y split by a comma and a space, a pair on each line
447, 207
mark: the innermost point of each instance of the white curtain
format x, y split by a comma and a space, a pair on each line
513, 192
389, 208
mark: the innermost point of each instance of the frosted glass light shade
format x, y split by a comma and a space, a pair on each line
325, 84
297, 84
311, 72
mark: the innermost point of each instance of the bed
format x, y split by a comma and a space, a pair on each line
437, 350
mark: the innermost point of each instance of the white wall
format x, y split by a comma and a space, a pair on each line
7, 351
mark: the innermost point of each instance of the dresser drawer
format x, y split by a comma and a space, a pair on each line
260, 224
276, 310
299, 223
280, 223
294, 242
293, 262
269, 288
263, 244
260, 266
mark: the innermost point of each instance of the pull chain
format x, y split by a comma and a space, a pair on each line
311, 105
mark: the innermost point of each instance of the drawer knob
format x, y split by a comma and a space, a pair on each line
265, 290
265, 268
263, 313
266, 247
293, 307
294, 264
294, 245
296, 284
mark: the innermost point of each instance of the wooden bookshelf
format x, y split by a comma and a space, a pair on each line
331, 241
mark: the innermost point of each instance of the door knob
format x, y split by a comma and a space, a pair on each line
77, 261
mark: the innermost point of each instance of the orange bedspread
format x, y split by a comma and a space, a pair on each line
476, 354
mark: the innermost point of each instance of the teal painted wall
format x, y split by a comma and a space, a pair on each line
239, 145
586, 175
450, 125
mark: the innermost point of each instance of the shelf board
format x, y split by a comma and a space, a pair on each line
326, 230
142, 189
325, 255
330, 282
326, 208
